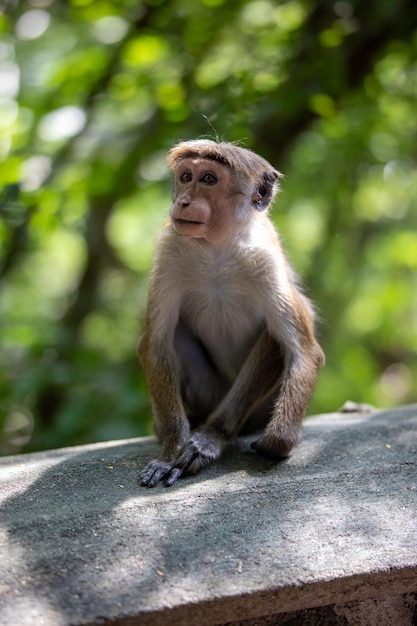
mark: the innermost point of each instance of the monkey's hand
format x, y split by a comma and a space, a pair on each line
275, 446
200, 450
155, 471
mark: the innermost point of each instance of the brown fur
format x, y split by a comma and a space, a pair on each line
229, 337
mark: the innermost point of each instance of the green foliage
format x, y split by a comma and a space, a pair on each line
93, 93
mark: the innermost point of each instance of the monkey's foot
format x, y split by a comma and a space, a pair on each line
273, 446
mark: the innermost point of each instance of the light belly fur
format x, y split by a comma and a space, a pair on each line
226, 322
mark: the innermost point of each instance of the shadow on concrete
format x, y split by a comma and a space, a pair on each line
85, 543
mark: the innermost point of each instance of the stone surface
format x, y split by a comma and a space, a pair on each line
331, 532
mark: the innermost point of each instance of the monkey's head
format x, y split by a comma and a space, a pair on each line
217, 187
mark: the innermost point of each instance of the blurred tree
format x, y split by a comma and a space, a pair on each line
93, 93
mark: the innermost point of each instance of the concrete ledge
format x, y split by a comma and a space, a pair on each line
328, 536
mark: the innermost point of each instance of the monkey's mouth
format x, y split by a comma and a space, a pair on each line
185, 222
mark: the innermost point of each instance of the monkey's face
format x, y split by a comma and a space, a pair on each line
206, 196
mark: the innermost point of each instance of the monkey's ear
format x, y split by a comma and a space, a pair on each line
266, 191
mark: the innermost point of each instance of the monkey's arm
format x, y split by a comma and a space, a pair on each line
156, 354
170, 421
295, 390
292, 325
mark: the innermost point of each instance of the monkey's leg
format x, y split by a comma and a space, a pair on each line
202, 385
259, 375
249, 403
271, 376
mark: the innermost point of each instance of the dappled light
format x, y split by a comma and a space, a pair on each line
62, 124
110, 28
32, 24
93, 94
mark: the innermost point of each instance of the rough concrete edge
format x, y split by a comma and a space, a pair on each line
392, 582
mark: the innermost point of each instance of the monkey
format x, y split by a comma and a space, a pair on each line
229, 342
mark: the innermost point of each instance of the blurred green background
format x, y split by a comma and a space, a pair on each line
92, 95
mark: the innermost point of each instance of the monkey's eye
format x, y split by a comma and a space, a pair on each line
186, 177
208, 179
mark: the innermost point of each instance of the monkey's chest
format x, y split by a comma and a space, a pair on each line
221, 310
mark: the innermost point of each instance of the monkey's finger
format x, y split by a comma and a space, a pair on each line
176, 472
155, 471
152, 479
